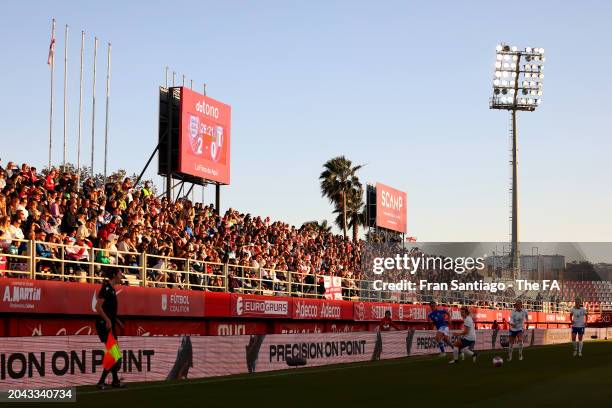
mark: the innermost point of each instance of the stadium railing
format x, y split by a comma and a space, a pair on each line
69, 262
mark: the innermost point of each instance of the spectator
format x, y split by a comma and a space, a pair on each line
15, 227
70, 220
43, 251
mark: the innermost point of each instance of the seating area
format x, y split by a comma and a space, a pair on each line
55, 225
588, 291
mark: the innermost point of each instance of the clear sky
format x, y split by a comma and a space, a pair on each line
402, 87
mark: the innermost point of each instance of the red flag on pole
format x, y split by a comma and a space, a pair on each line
51, 50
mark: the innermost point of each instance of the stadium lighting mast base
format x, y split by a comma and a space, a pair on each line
516, 72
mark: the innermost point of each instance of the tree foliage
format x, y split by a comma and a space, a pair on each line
341, 186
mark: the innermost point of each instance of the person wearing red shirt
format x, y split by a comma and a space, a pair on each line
386, 323
50, 180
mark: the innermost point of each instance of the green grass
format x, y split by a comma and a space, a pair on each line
549, 376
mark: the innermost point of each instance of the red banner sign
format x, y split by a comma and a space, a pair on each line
32, 296
391, 208
488, 315
260, 306
236, 327
137, 301
44, 326
289, 327
204, 137
552, 317
322, 309
25, 296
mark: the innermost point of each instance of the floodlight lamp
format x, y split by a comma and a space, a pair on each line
514, 49
541, 76
525, 91
528, 49
506, 57
506, 48
499, 47
499, 57
498, 64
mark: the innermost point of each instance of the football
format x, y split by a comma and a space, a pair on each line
497, 361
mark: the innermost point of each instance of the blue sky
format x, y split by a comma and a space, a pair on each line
401, 86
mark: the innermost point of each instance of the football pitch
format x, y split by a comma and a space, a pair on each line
548, 376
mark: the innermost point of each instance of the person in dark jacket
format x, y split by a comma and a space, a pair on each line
107, 307
70, 220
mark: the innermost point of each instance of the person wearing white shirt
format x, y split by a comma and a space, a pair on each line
578, 317
519, 321
15, 228
467, 339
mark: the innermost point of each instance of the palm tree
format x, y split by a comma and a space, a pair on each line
322, 226
337, 179
354, 209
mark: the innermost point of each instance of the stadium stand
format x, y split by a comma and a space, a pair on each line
53, 228
112, 226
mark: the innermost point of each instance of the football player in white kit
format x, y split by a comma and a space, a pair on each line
467, 339
578, 317
519, 321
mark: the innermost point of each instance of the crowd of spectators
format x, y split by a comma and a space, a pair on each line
115, 223
122, 221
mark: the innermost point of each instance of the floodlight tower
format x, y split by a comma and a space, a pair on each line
517, 86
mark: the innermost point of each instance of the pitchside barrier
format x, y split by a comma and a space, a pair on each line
72, 263
27, 362
40, 307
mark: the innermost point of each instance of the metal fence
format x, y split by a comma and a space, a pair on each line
71, 263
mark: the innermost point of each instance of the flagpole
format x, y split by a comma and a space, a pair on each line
108, 70
65, 92
80, 112
51, 60
93, 106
